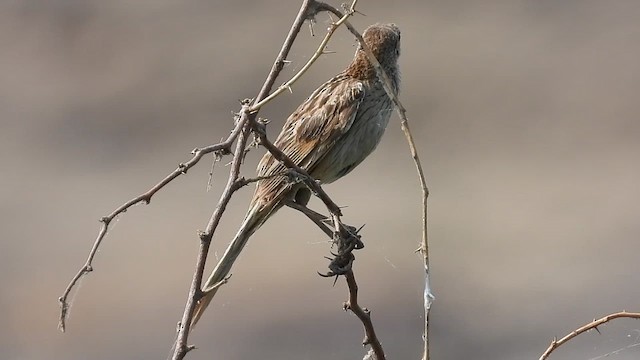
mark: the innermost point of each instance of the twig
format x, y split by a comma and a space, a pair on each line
555, 343
242, 182
364, 315
221, 148
195, 292
305, 12
319, 52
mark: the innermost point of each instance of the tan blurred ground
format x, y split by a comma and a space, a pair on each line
526, 114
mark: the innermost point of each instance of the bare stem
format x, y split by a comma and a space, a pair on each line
370, 337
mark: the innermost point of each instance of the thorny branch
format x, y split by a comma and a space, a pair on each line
319, 52
221, 148
370, 337
346, 236
555, 343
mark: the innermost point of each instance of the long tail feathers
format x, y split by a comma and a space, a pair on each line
253, 220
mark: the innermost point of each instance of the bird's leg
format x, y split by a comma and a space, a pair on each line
302, 196
344, 237
317, 218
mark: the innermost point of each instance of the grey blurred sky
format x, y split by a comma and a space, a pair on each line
526, 114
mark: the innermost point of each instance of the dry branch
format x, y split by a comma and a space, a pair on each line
221, 148
370, 337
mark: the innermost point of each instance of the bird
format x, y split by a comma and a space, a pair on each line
328, 135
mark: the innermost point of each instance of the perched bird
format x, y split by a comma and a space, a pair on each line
330, 134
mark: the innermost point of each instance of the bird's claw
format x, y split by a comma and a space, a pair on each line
346, 239
339, 265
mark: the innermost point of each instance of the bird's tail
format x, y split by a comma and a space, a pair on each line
256, 216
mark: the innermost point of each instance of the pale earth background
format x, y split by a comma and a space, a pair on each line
526, 117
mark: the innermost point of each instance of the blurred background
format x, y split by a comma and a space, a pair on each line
526, 117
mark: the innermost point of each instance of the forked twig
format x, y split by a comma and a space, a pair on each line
370, 337
221, 148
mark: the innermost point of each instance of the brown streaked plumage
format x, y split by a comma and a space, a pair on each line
330, 134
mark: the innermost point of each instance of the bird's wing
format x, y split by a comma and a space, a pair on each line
312, 130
